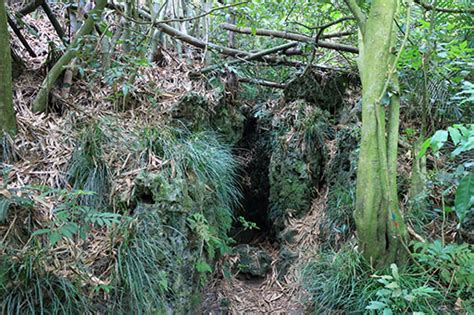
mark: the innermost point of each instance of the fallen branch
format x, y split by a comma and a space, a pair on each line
290, 36
20, 36
54, 21
254, 56
40, 103
266, 83
32, 6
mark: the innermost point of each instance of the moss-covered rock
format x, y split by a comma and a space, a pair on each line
326, 90
182, 215
228, 121
192, 111
298, 160
251, 261
341, 176
197, 113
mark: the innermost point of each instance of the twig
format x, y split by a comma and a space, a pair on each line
428, 7
290, 36
266, 83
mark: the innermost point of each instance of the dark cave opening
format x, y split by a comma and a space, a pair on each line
254, 152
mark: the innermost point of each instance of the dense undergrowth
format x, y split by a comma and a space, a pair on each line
148, 254
438, 278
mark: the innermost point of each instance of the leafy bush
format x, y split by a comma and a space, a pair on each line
440, 279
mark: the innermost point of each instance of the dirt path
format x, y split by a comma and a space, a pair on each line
270, 295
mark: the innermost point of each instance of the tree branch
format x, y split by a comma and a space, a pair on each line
254, 56
428, 7
40, 103
290, 36
358, 14
261, 82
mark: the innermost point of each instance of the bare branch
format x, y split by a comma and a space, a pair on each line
261, 82
428, 7
290, 36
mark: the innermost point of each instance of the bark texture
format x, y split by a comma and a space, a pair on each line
380, 227
7, 113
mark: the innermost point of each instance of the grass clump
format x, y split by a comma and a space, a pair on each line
27, 287
200, 171
182, 216
88, 170
438, 281
146, 260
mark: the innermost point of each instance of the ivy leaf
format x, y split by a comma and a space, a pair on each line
455, 135
464, 198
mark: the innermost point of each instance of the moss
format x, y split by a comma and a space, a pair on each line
197, 113
297, 162
326, 90
341, 178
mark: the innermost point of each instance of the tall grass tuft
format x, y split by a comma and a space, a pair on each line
204, 166
87, 170
334, 281
145, 261
27, 287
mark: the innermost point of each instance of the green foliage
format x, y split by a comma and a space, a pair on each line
28, 287
394, 297
71, 218
442, 277
88, 170
147, 260
462, 137
452, 266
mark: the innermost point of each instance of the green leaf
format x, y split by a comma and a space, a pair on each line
376, 305
54, 237
40, 232
464, 196
455, 135
203, 267
438, 140
424, 148
394, 269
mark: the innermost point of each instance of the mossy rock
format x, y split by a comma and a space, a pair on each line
326, 90
251, 261
192, 111
196, 113
341, 177
228, 121
298, 160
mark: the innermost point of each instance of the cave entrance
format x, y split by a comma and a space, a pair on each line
254, 152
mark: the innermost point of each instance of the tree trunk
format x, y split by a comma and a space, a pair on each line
7, 113
380, 227
40, 103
